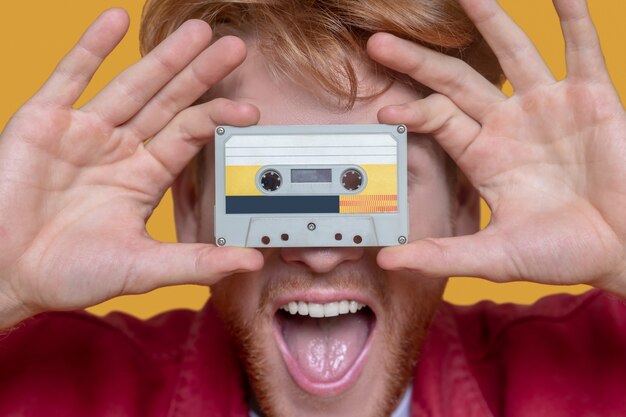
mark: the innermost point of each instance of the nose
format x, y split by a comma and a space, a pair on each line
321, 260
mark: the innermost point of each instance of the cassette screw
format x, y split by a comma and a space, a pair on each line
401, 129
221, 241
311, 226
221, 130
402, 240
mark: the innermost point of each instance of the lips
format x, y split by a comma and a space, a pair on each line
324, 344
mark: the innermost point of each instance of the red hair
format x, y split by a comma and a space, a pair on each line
321, 38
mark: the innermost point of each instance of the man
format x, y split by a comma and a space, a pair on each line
549, 162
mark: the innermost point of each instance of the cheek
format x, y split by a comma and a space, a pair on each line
430, 201
406, 288
415, 300
237, 295
430, 207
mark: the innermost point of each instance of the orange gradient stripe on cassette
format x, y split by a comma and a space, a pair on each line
368, 204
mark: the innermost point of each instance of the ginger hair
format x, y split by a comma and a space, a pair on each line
320, 39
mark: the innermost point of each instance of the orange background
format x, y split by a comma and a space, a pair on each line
35, 34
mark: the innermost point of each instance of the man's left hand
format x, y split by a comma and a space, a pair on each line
550, 161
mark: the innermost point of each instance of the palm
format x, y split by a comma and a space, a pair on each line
548, 154
548, 160
79, 184
89, 160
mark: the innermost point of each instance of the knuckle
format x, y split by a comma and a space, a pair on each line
198, 261
416, 66
484, 12
442, 102
436, 247
187, 135
167, 61
86, 52
204, 266
517, 52
128, 89
168, 105
455, 78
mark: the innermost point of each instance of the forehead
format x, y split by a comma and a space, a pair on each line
285, 101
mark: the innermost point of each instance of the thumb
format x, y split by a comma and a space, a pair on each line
479, 255
164, 264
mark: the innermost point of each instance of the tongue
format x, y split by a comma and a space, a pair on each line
326, 348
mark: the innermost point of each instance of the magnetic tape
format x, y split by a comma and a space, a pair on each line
318, 186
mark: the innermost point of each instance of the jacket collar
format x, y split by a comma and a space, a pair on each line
211, 380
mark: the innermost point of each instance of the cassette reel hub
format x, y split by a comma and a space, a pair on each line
271, 180
352, 180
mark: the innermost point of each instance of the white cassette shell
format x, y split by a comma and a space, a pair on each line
318, 186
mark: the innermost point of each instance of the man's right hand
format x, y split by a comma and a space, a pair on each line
78, 185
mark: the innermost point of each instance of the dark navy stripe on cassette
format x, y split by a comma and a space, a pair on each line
282, 204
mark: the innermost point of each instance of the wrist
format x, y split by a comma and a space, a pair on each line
12, 312
616, 284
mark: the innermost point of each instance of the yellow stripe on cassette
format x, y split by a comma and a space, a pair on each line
378, 196
241, 181
382, 179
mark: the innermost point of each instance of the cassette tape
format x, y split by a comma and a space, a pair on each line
311, 186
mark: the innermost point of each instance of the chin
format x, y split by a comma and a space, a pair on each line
340, 344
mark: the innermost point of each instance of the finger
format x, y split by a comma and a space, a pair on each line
163, 264
583, 52
211, 66
183, 138
444, 74
438, 116
131, 90
517, 55
478, 255
74, 72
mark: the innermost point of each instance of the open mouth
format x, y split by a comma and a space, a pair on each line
324, 345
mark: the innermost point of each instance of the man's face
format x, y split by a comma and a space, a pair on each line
354, 364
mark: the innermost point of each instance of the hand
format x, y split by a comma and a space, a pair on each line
77, 185
550, 161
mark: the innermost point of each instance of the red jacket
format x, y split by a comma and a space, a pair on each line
564, 356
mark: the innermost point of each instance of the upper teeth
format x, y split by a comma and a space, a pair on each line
322, 310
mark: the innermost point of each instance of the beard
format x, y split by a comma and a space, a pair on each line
405, 313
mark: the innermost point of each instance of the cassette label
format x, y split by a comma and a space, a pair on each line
339, 172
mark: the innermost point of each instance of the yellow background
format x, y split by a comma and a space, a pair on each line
35, 34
